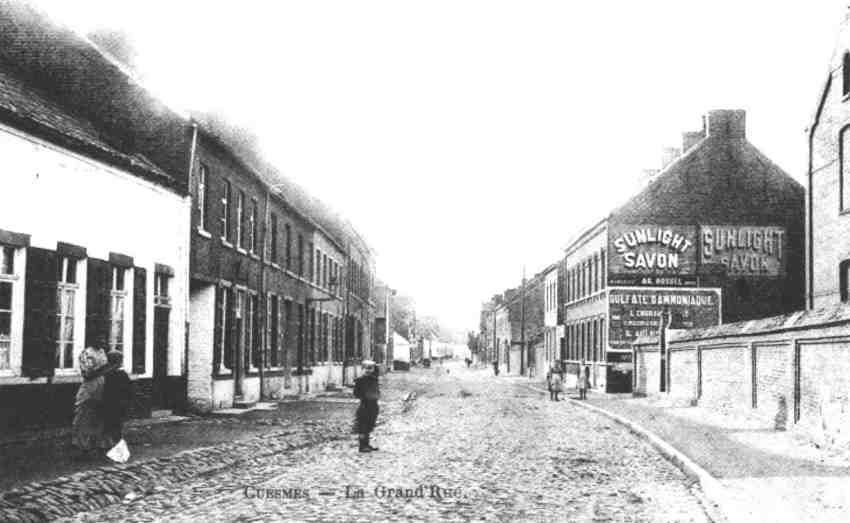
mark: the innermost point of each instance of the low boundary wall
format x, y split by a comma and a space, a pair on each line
792, 369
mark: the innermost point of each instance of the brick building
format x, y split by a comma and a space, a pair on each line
717, 235
274, 287
828, 196
551, 348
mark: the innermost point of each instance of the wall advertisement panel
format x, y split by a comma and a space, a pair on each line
652, 255
635, 312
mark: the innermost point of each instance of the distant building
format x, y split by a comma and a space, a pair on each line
717, 235
551, 348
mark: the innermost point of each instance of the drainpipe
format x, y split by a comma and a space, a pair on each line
263, 296
188, 275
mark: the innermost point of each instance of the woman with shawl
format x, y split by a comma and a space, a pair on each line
88, 433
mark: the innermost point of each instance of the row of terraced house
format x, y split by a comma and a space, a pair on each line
128, 225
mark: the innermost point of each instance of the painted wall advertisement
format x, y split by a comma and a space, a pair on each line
652, 255
637, 312
744, 250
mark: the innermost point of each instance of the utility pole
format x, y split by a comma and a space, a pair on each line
522, 351
495, 341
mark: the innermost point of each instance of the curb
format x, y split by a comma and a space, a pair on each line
714, 491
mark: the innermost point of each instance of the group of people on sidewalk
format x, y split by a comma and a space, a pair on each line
555, 382
102, 402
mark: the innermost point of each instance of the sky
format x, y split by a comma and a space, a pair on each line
469, 139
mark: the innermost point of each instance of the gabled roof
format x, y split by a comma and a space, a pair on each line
715, 175
25, 107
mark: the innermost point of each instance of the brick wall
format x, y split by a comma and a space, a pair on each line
725, 376
774, 385
683, 373
793, 370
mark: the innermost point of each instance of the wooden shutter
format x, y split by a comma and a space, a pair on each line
140, 314
98, 298
217, 330
41, 304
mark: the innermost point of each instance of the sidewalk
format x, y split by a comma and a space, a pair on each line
769, 475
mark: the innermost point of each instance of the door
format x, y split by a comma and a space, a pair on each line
239, 349
160, 357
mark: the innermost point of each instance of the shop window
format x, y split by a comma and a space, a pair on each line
844, 280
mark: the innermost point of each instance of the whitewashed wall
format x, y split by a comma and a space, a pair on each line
55, 195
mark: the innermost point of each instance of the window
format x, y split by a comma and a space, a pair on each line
300, 255
311, 266
7, 284
222, 330
160, 290
252, 244
845, 74
844, 280
273, 246
317, 264
844, 169
117, 309
241, 229
274, 315
324, 271
66, 296
225, 211
288, 230
202, 197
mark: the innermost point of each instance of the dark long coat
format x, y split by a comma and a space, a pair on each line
366, 390
117, 396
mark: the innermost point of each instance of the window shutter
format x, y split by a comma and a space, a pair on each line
98, 298
40, 327
140, 314
217, 331
230, 335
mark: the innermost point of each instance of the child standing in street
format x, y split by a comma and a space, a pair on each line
366, 390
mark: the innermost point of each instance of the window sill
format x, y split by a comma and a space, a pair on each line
254, 256
204, 233
240, 250
226, 243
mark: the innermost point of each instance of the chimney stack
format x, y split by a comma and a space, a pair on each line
668, 156
731, 124
690, 139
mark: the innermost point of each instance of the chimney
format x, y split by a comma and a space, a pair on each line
668, 156
730, 124
690, 139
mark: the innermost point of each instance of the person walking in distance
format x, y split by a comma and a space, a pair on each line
583, 382
555, 381
366, 390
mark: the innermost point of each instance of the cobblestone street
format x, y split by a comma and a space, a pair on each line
479, 447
